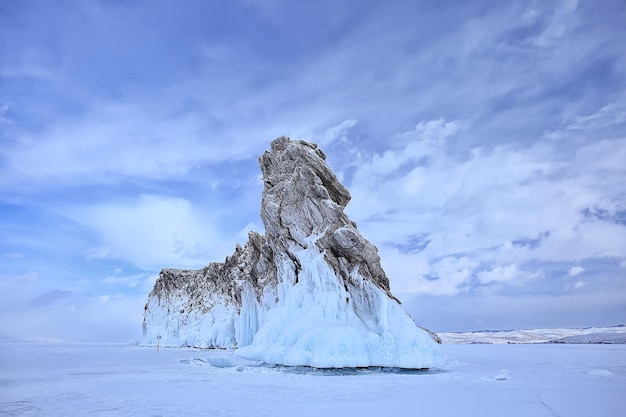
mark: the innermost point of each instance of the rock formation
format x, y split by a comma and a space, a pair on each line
311, 291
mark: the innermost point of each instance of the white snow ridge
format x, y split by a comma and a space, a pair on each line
310, 292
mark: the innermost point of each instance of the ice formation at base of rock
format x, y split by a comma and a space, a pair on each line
310, 292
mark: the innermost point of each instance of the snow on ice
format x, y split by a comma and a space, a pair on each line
483, 380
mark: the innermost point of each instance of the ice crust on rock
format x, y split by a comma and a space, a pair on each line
311, 291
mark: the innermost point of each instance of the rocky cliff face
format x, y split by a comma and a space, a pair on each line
310, 292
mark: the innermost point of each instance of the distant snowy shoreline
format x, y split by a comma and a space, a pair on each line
599, 335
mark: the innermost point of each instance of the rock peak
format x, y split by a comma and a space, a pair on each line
304, 161
302, 196
311, 291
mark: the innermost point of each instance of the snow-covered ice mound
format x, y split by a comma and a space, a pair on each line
319, 323
310, 292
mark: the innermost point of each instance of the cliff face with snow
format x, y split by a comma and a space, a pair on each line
310, 292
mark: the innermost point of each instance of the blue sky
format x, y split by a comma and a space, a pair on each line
484, 144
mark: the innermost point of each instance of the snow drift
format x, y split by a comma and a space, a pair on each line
311, 291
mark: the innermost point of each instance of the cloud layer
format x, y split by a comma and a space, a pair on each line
483, 144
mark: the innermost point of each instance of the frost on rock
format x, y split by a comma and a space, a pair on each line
310, 292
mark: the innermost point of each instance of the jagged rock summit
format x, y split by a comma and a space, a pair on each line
311, 291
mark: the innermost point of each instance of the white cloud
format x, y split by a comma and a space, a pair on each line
530, 15
410, 273
242, 235
405, 270
117, 280
502, 206
575, 271
335, 133
100, 252
4, 119
607, 116
114, 142
500, 274
32, 62
102, 317
148, 283
151, 232
559, 23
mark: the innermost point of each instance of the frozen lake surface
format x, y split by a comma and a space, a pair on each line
480, 380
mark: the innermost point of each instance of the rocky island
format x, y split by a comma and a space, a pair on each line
310, 291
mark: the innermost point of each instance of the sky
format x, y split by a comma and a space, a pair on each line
483, 143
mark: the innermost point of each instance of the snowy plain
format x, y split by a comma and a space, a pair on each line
563, 380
